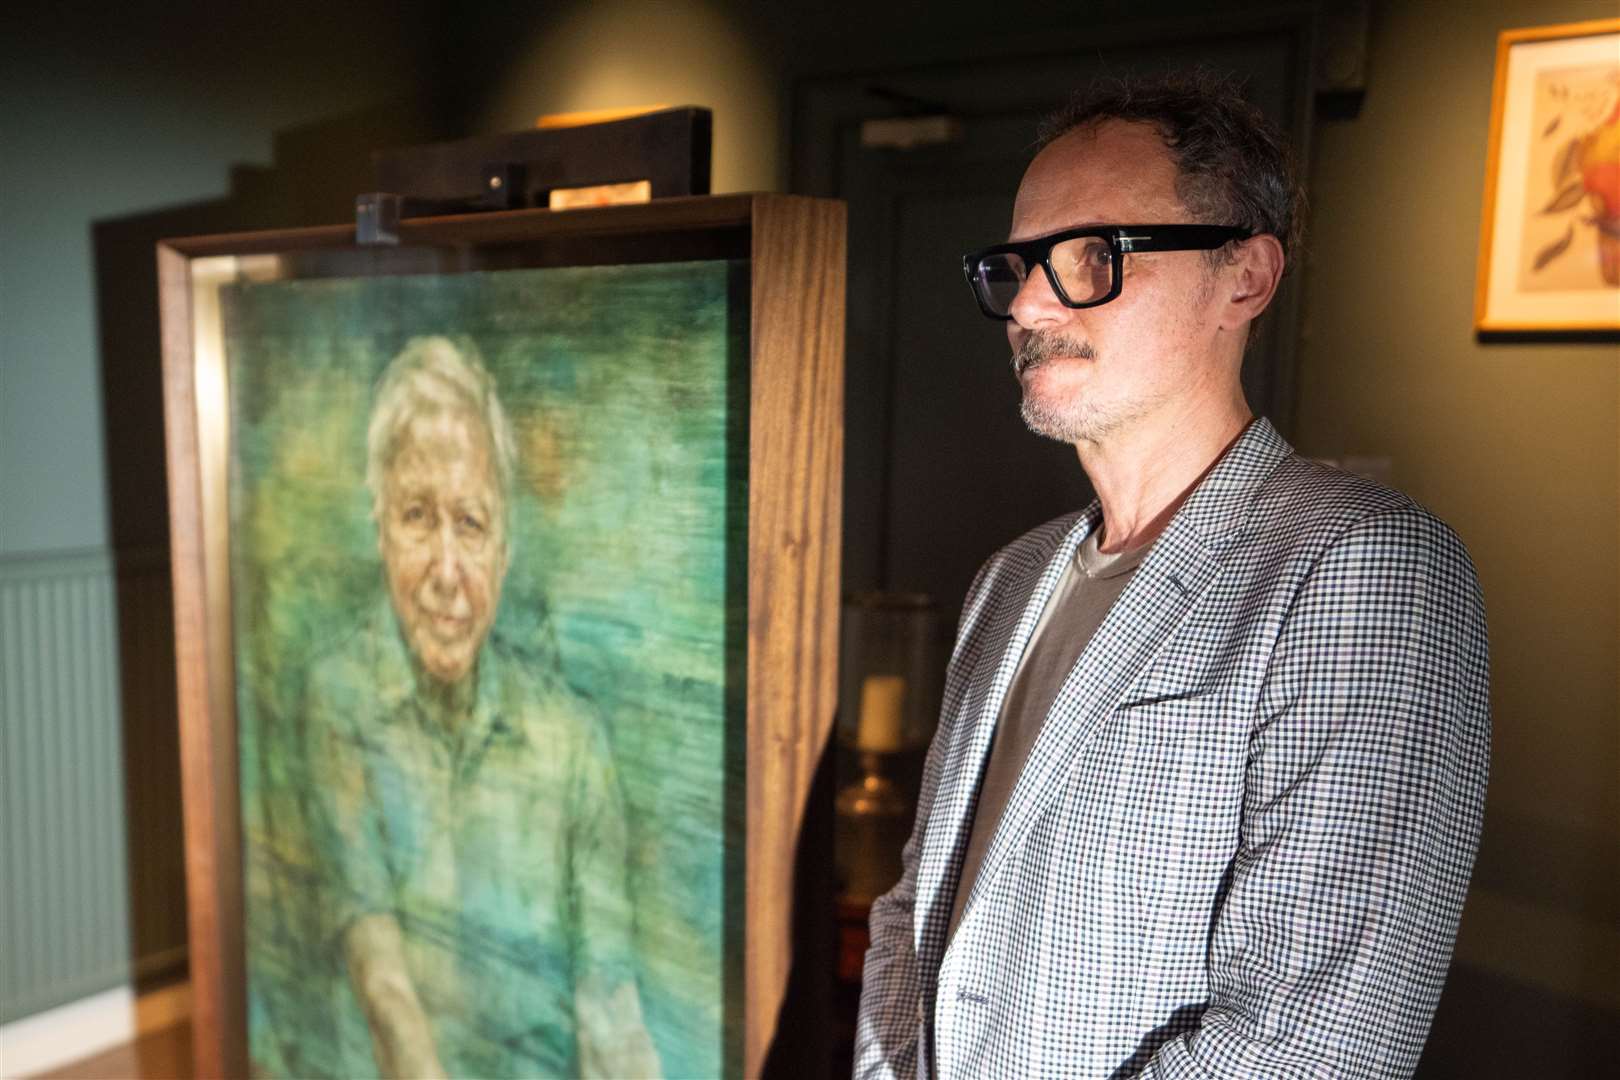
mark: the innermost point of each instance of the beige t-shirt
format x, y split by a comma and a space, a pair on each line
1090, 585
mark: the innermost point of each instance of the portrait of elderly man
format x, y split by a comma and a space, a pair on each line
464, 806
1208, 779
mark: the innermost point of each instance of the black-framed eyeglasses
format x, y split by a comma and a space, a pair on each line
1084, 266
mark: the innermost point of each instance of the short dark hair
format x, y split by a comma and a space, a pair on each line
1233, 165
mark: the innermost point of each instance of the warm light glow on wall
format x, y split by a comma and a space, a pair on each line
622, 54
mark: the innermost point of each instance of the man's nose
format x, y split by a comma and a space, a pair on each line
445, 568
1035, 304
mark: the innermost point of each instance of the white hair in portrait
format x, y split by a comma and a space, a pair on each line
433, 375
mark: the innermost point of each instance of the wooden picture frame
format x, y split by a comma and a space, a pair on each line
793, 249
1549, 255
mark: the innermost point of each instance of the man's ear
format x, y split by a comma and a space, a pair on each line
1253, 278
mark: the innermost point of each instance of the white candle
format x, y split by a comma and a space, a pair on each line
881, 715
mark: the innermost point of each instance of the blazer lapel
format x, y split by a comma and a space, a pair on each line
1177, 572
1014, 615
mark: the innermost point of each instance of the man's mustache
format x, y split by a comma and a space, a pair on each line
1042, 345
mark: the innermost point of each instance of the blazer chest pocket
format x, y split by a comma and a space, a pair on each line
1204, 728
1161, 793
1175, 764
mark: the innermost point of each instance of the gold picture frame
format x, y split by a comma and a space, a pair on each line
1549, 254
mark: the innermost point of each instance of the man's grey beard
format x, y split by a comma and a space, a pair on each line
1041, 345
1066, 421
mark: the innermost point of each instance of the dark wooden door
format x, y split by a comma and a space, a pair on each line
939, 469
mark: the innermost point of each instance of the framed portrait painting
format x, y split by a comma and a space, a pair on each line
1550, 239
502, 561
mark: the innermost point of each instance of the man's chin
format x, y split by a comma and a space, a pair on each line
1056, 379
448, 675
1068, 425
444, 666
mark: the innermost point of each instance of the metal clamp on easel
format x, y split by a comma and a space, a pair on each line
653, 155
376, 218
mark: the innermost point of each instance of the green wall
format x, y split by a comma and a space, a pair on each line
114, 110
1518, 447
121, 124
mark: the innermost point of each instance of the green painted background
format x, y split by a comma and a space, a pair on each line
626, 388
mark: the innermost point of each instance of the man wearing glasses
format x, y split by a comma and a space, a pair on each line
1210, 768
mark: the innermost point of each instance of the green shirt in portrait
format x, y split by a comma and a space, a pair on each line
498, 844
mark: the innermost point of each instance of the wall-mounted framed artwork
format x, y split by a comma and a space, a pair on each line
506, 567
1549, 255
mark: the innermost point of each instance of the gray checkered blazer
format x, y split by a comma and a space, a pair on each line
1240, 843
